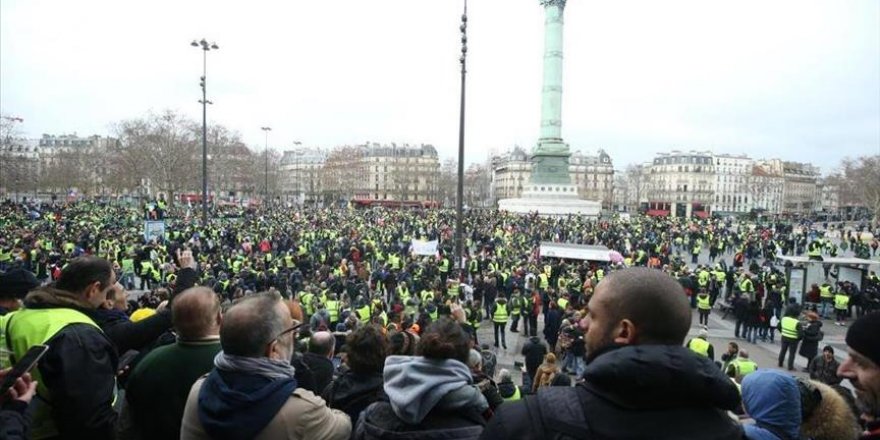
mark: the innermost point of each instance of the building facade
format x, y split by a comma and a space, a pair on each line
799, 190
765, 189
732, 181
300, 177
593, 175
680, 184
399, 172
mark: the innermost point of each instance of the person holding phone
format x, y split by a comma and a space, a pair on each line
77, 375
14, 423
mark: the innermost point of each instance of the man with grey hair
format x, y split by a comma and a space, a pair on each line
252, 392
485, 383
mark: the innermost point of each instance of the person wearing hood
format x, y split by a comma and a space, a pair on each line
361, 384
773, 401
251, 393
640, 381
430, 396
77, 374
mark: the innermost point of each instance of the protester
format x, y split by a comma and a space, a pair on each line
534, 351
862, 368
824, 368
772, 399
430, 396
701, 345
318, 358
792, 332
158, 387
14, 285
506, 388
76, 376
251, 392
812, 336
362, 383
640, 382
484, 382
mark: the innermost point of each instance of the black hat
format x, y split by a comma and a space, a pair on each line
17, 283
862, 336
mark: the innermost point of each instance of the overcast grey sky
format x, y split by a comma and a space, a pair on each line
795, 79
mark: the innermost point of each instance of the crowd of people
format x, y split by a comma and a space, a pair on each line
283, 323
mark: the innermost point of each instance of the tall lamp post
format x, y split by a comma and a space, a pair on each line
205, 46
266, 131
458, 202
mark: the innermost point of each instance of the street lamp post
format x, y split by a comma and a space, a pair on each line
458, 203
205, 46
266, 131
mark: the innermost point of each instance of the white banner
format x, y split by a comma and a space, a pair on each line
574, 251
420, 247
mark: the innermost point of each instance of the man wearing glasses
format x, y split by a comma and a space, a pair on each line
252, 392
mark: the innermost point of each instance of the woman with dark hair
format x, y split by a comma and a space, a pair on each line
361, 384
431, 395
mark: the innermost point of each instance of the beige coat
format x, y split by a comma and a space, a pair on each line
304, 416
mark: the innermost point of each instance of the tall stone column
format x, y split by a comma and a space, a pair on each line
551, 90
550, 156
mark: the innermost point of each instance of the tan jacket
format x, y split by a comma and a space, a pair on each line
304, 416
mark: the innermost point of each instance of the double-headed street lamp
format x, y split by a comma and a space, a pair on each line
205, 46
266, 130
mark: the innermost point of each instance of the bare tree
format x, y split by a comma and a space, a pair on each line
162, 147
859, 183
343, 174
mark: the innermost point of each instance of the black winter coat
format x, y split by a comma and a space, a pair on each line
650, 391
352, 393
534, 351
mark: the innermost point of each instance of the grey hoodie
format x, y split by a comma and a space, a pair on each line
415, 385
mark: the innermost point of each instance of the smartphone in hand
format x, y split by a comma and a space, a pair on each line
26, 364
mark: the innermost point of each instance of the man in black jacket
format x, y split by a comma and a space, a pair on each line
77, 375
534, 351
321, 347
639, 382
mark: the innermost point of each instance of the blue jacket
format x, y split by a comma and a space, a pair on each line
773, 399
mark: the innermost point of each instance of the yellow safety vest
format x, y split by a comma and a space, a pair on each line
744, 366
29, 327
544, 281
789, 327
333, 310
841, 301
516, 395
364, 313
699, 346
703, 302
500, 315
562, 303
825, 292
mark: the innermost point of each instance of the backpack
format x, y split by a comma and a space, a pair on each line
490, 361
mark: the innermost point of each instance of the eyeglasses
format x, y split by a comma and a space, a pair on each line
290, 330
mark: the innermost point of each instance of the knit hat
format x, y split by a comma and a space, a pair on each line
862, 336
17, 283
